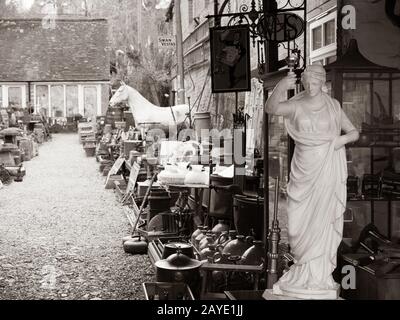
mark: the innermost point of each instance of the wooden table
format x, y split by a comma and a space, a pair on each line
208, 268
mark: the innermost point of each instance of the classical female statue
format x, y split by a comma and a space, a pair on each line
317, 185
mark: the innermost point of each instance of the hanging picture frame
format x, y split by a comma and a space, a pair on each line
230, 59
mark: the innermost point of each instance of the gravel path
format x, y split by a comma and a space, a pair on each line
61, 231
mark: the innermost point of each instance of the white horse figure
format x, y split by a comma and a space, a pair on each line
145, 113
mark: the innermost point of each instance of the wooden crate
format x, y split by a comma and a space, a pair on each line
167, 291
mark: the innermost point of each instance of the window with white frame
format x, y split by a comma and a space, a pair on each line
323, 38
90, 102
59, 100
72, 100
42, 99
13, 95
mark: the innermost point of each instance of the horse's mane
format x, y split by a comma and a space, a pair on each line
140, 96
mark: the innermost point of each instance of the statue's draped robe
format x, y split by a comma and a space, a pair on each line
316, 195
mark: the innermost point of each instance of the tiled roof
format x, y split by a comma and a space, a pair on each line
76, 49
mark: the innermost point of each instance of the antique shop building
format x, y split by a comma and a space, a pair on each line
59, 67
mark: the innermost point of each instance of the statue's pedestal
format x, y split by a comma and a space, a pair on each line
279, 293
270, 296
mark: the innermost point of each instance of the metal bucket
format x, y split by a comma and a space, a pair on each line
202, 121
159, 201
90, 151
248, 215
129, 119
114, 115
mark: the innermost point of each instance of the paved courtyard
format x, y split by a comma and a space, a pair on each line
61, 231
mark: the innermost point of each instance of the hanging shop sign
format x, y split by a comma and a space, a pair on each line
281, 27
230, 58
166, 42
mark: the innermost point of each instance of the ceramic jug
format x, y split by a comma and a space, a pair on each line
205, 242
200, 237
223, 240
220, 227
237, 247
209, 253
196, 233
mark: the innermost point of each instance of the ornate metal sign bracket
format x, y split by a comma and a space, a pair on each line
282, 26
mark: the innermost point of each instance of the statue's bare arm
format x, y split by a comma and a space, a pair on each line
351, 133
277, 103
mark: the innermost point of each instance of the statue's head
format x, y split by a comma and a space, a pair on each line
314, 79
120, 95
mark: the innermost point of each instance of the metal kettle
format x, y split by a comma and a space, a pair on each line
179, 268
173, 247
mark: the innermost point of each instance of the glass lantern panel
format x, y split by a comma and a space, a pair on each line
381, 212
278, 145
357, 216
381, 159
381, 113
395, 221
359, 164
357, 101
396, 100
349, 76
381, 76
